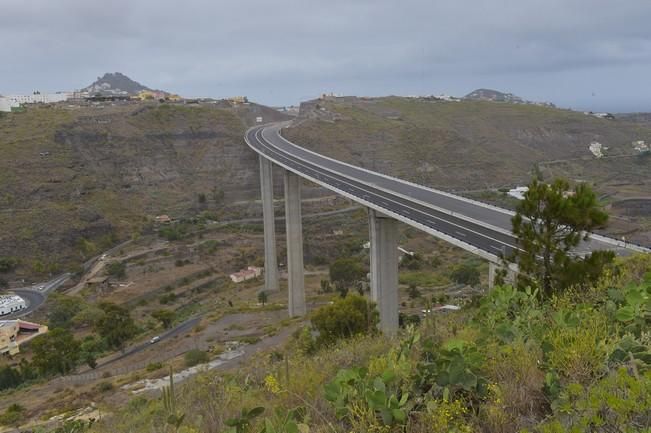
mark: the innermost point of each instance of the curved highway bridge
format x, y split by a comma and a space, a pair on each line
477, 227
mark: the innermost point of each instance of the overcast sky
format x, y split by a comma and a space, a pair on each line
584, 54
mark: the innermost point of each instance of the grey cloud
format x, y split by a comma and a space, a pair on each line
280, 51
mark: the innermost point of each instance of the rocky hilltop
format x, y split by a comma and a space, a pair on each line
116, 83
492, 95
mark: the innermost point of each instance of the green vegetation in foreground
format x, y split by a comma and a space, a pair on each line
513, 361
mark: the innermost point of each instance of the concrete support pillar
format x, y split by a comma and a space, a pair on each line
270, 257
494, 268
511, 277
295, 274
384, 269
492, 271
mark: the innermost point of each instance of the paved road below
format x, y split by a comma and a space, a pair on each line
36, 295
179, 329
33, 299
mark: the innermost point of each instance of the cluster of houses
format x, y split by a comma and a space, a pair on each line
14, 102
246, 274
599, 115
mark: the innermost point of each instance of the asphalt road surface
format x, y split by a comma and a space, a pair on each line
475, 226
179, 329
33, 298
35, 295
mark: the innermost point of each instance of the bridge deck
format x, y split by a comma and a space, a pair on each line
477, 227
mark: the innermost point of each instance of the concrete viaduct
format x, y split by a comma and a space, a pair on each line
482, 229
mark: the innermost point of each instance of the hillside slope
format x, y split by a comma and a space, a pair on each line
73, 180
473, 145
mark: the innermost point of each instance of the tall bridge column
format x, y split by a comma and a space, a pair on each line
384, 269
494, 268
270, 257
492, 273
295, 275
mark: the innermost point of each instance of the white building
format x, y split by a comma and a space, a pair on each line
246, 274
11, 303
12, 101
7, 104
641, 146
13, 333
518, 192
597, 149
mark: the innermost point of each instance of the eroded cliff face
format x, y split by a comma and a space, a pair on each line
71, 175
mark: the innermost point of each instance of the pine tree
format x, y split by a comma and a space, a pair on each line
549, 223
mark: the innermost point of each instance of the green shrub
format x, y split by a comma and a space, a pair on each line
165, 317
632, 351
408, 319
441, 415
577, 345
117, 269
250, 339
345, 272
422, 278
75, 426
466, 273
633, 307
451, 368
325, 287
174, 232
208, 247
62, 309
12, 415
195, 357
366, 401
619, 402
116, 326
516, 386
153, 366
168, 298
413, 292
411, 262
104, 386
305, 341
344, 318
7, 264
10, 377
507, 313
